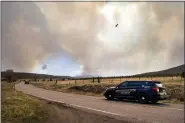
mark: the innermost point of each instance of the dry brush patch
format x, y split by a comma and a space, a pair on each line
174, 79
175, 88
175, 92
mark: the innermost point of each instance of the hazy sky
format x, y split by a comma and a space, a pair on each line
73, 38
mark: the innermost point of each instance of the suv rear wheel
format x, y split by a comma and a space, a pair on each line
143, 98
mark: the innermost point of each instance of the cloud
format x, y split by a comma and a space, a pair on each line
149, 37
26, 40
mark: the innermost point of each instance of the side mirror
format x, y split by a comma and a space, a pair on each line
117, 87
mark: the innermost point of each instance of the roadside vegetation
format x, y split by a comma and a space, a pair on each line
174, 86
17, 107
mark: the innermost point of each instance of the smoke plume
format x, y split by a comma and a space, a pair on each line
149, 36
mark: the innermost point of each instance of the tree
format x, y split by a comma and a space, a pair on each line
10, 77
9, 71
182, 75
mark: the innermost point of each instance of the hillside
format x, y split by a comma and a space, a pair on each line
22, 75
168, 72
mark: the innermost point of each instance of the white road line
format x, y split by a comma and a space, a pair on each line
172, 108
106, 111
83, 107
92, 109
73, 105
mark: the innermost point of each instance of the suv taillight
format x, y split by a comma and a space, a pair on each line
155, 89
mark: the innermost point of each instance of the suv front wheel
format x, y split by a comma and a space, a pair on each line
109, 96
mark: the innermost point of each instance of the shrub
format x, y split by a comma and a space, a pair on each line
182, 75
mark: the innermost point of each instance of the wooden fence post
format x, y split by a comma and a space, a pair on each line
98, 79
14, 85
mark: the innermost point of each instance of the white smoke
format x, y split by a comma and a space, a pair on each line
149, 37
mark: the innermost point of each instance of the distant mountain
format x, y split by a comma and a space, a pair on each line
22, 75
168, 72
85, 76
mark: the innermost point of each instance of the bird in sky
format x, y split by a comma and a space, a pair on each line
44, 67
116, 25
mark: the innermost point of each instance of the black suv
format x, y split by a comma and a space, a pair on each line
142, 91
26, 82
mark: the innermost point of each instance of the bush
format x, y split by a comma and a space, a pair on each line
182, 75
175, 92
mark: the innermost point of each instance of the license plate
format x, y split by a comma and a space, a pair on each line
164, 93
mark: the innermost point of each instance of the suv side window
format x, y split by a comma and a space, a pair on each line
123, 84
136, 84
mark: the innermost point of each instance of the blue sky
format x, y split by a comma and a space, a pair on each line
62, 65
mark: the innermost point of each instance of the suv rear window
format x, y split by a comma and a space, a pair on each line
158, 84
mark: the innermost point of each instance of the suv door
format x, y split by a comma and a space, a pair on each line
122, 90
133, 87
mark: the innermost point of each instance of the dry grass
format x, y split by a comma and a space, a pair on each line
19, 108
168, 80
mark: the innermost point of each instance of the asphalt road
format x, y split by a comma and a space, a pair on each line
129, 111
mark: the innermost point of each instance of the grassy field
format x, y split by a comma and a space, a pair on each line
167, 80
17, 107
174, 86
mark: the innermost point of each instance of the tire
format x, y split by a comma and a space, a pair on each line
143, 98
109, 97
